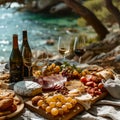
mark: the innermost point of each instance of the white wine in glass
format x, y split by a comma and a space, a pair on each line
63, 46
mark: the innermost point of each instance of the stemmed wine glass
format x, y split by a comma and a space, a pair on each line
38, 59
63, 46
79, 47
40, 55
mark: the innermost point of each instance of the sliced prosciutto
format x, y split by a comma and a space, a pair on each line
53, 81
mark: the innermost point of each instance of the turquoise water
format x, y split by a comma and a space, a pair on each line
40, 27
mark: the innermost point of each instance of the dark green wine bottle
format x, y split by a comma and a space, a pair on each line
26, 52
16, 62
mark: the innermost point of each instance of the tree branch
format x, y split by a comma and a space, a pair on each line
88, 16
114, 10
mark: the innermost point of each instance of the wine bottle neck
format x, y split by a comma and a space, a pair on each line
25, 36
15, 41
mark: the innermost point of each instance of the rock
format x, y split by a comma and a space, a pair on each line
71, 31
106, 53
50, 42
87, 56
59, 7
115, 51
117, 58
100, 56
42, 4
112, 37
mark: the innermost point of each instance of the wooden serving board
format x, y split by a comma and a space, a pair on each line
11, 115
67, 116
95, 99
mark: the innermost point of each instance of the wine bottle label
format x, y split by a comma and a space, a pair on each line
16, 73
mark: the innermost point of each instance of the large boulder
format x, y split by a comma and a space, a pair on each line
59, 8
42, 4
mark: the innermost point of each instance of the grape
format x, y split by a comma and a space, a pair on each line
70, 72
69, 105
55, 97
50, 99
52, 104
58, 104
40, 102
44, 106
63, 100
59, 96
74, 101
57, 69
68, 99
54, 111
64, 107
48, 109
53, 65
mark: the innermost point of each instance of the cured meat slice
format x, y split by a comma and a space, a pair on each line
50, 82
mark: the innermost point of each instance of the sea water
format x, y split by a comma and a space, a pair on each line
40, 26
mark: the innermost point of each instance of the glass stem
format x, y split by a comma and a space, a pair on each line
64, 57
29, 69
79, 59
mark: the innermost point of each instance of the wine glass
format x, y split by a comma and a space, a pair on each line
37, 61
28, 63
40, 59
79, 47
63, 46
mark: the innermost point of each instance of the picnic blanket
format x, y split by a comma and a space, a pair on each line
106, 109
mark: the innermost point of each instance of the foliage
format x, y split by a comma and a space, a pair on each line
94, 4
88, 39
81, 22
99, 9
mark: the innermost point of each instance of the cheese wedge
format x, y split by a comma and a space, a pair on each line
27, 88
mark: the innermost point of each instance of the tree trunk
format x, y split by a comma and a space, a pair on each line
89, 17
112, 9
